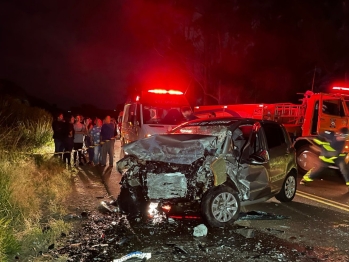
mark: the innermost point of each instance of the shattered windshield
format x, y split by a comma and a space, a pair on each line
162, 115
213, 128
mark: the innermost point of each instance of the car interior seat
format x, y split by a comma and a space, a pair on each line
238, 140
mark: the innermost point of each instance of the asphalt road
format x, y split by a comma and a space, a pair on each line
318, 215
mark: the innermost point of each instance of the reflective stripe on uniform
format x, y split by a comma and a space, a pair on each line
328, 159
319, 142
329, 148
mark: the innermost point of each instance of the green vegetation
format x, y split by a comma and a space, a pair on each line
33, 185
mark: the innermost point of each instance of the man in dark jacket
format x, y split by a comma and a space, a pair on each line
57, 127
332, 145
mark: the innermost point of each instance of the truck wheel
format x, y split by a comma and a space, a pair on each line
307, 158
220, 206
289, 188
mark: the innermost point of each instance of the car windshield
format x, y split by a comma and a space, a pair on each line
213, 128
162, 115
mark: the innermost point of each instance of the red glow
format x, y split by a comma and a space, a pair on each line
166, 208
163, 91
340, 88
185, 217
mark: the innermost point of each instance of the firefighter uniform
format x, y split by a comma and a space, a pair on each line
332, 145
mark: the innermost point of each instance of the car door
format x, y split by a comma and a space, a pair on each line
278, 150
256, 168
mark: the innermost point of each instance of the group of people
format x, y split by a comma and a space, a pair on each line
71, 134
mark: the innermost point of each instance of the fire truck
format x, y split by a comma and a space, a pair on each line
316, 113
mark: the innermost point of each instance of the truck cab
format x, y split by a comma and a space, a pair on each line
323, 112
154, 111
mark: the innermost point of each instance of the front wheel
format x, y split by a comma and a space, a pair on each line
220, 206
289, 187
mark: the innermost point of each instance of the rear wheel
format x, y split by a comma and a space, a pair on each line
289, 188
220, 206
307, 158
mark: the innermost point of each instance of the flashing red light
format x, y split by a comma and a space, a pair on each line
163, 91
340, 88
137, 98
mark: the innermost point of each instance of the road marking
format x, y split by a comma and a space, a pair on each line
324, 201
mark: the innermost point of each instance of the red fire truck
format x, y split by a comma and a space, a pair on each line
317, 112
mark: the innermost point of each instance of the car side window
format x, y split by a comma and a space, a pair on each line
274, 135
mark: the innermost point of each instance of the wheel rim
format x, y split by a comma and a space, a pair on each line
307, 159
224, 207
290, 187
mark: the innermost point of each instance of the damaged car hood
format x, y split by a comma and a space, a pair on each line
172, 148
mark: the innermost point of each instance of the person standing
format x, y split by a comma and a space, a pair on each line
80, 131
68, 139
108, 140
332, 145
57, 127
96, 140
88, 140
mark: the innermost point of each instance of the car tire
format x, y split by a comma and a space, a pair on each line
289, 188
220, 206
307, 157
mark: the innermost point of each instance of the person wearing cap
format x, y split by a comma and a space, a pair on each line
332, 145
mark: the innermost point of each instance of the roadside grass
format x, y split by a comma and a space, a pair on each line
33, 183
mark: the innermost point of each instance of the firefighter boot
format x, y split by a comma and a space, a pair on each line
306, 178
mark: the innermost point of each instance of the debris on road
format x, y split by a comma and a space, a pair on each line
260, 215
136, 254
200, 231
246, 232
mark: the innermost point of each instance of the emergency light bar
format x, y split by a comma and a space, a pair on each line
163, 91
340, 88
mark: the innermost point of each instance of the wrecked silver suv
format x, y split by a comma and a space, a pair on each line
211, 166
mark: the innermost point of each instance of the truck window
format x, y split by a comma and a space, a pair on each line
162, 115
132, 113
332, 107
126, 113
274, 135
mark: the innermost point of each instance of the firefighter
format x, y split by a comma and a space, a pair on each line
332, 145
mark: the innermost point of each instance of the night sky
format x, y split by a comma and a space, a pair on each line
73, 52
